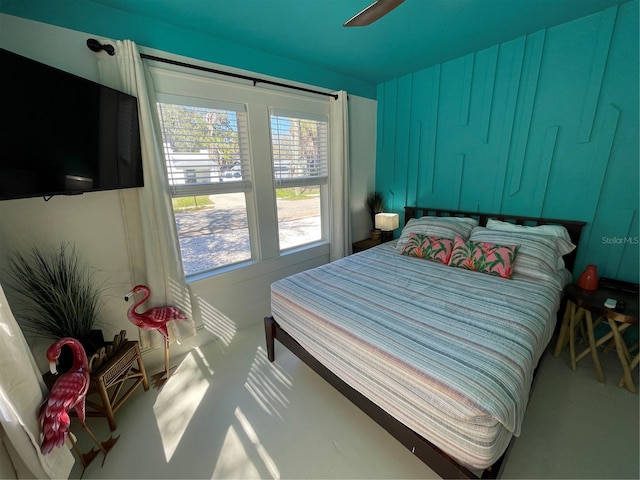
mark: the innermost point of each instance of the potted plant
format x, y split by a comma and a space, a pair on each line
375, 204
56, 296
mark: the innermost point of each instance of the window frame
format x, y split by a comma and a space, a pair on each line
320, 181
261, 204
212, 188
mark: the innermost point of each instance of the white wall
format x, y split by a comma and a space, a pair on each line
362, 152
94, 221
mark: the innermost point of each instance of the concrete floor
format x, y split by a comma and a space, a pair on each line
229, 413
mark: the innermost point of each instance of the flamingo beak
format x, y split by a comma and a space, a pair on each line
128, 296
52, 367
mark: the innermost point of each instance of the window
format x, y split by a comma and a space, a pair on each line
299, 150
247, 170
207, 162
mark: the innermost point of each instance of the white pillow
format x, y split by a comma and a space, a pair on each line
558, 232
440, 227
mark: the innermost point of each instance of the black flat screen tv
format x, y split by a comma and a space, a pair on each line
61, 134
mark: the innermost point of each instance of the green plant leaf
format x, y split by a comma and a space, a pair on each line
56, 296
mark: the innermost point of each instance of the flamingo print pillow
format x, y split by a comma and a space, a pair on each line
430, 248
484, 257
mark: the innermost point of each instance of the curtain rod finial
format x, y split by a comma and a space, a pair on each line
95, 46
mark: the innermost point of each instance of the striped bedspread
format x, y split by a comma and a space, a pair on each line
448, 352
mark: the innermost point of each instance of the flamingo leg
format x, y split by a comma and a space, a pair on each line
166, 357
85, 458
159, 379
103, 446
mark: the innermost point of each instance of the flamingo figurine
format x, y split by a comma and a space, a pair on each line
155, 318
68, 392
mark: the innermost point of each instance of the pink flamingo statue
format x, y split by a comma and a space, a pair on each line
155, 318
68, 392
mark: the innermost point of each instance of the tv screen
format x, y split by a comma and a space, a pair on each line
61, 134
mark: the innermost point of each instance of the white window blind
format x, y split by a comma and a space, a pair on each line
299, 147
205, 146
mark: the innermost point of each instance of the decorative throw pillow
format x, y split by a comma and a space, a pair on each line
537, 257
430, 248
484, 257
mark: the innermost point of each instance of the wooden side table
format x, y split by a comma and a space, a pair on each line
365, 244
126, 364
582, 304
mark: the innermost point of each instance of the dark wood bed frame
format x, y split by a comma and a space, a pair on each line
432, 456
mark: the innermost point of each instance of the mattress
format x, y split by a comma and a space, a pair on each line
448, 352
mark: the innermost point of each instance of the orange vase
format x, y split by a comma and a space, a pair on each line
589, 278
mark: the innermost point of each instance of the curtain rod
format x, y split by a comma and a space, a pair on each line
255, 80
96, 46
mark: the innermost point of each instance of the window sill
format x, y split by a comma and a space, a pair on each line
251, 268
220, 271
305, 247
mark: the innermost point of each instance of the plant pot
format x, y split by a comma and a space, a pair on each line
375, 234
93, 342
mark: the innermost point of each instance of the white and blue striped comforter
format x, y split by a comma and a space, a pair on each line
448, 352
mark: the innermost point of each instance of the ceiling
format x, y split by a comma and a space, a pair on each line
416, 35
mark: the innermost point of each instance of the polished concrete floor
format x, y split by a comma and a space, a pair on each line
229, 413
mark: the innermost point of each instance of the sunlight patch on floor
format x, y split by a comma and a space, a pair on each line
216, 322
178, 401
253, 438
267, 384
241, 451
234, 461
203, 359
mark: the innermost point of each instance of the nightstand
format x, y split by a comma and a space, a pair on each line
108, 382
365, 244
589, 305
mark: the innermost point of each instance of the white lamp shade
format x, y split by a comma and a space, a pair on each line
387, 221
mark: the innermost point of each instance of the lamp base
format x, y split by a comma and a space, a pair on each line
386, 235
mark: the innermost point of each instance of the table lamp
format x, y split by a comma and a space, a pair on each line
387, 223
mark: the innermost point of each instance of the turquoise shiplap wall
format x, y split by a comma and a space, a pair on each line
544, 125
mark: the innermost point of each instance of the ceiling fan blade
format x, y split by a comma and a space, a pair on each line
373, 12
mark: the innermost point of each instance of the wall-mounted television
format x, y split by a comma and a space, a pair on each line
61, 134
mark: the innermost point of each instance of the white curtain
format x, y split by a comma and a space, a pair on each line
21, 393
339, 168
161, 269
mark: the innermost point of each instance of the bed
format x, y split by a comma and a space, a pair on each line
438, 348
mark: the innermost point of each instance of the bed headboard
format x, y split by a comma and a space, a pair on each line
574, 227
